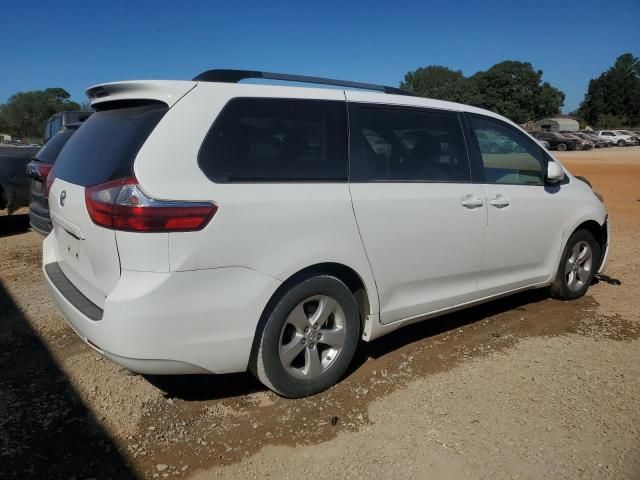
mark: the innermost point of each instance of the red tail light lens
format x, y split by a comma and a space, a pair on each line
51, 176
122, 205
44, 170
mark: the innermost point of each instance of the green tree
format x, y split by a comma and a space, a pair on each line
439, 82
25, 113
513, 89
614, 95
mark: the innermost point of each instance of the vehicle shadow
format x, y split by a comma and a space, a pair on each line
12, 224
606, 279
436, 326
205, 387
45, 429
217, 387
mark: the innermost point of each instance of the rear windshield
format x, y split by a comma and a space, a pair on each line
50, 151
107, 143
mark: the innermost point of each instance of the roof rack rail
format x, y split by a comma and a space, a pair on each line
235, 76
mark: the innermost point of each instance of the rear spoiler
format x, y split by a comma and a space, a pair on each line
166, 91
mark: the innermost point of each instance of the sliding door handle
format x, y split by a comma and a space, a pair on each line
471, 201
499, 201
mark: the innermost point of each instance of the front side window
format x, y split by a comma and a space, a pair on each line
507, 156
277, 140
409, 145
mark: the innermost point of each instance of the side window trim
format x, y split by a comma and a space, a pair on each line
353, 123
477, 154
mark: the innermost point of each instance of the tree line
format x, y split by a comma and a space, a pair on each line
26, 113
515, 90
511, 88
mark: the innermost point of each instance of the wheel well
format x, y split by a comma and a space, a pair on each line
343, 273
599, 233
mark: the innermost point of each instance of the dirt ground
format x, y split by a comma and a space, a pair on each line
524, 387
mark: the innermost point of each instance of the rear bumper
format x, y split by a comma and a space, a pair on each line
200, 321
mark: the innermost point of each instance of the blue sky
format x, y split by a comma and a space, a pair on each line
74, 44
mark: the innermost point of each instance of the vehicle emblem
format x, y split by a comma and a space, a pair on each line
63, 196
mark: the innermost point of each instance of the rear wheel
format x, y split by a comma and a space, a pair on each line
562, 147
577, 266
621, 143
308, 339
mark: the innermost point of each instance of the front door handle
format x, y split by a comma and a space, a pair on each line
499, 201
471, 201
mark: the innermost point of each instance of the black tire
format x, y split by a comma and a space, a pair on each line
621, 143
561, 288
266, 363
562, 147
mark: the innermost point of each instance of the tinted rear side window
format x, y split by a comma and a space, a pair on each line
277, 140
50, 151
391, 144
106, 145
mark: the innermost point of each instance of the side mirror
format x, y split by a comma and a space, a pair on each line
555, 173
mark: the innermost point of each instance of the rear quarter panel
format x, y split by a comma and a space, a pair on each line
275, 228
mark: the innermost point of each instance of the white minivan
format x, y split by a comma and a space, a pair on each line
214, 226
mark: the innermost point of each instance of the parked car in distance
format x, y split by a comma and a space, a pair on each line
556, 140
222, 226
600, 142
61, 120
619, 138
544, 143
38, 169
491, 143
14, 182
583, 144
634, 136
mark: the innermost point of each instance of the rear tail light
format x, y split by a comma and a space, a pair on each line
121, 205
44, 170
51, 176
38, 170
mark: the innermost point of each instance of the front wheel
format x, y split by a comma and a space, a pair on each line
577, 267
308, 339
562, 147
621, 143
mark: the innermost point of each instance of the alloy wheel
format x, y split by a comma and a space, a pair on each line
312, 337
578, 267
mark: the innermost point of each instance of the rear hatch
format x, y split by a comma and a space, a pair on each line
102, 150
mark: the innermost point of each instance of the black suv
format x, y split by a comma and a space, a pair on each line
38, 169
557, 141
